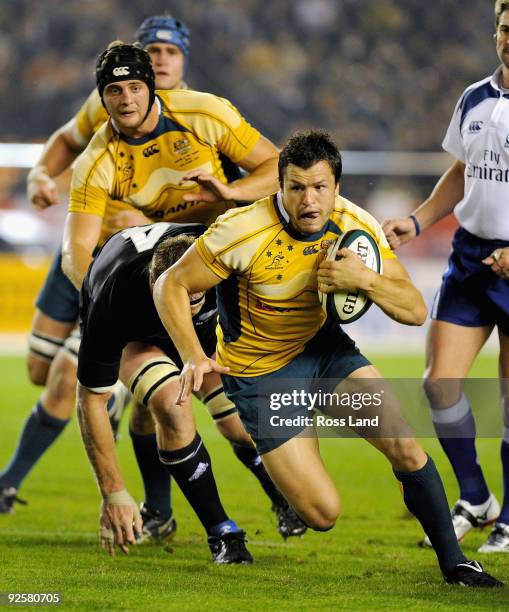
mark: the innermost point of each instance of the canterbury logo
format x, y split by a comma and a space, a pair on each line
475, 126
121, 71
311, 250
152, 150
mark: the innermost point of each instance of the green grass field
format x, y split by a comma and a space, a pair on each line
369, 561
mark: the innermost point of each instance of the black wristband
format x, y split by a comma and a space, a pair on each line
416, 223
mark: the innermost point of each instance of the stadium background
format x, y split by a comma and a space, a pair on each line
383, 78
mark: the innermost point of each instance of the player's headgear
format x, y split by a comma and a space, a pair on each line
165, 29
122, 62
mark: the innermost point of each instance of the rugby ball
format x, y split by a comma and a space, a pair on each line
348, 306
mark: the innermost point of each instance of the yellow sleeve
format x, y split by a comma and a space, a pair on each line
353, 216
88, 119
92, 178
210, 260
216, 121
385, 250
213, 244
232, 242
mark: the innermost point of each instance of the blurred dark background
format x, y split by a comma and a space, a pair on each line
380, 75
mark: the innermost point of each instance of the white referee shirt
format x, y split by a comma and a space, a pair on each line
478, 136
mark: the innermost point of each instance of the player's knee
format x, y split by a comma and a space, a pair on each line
432, 388
321, 519
233, 430
42, 350
155, 384
323, 523
441, 392
223, 411
141, 422
37, 370
166, 413
61, 385
226, 431
321, 515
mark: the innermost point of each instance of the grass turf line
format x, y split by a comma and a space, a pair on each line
370, 560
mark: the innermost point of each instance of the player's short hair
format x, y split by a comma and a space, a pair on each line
305, 149
167, 253
500, 7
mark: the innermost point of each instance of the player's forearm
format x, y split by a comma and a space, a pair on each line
59, 152
261, 182
172, 303
81, 235
447, 193
98, 440
76, 260
398, 298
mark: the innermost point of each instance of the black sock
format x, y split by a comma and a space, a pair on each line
458, 441
192, 470
156, 480
251, 459
424, 496
39, 432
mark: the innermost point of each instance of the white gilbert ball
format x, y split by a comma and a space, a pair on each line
348, 306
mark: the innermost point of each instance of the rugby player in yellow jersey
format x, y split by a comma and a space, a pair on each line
151, 154
167, 42
272, 330
160, 154
51, 362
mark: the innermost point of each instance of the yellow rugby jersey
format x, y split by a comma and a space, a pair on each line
91, 116
193, 129
268, 303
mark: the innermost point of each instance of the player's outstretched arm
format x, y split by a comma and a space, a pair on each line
171, 294
447, 193
59, 152
81, 235
120, 519
262, 180
393, 290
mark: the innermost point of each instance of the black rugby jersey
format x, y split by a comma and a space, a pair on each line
116, 304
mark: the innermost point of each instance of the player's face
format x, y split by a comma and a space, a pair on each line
308, 196
196, 300
127, 103
168, 64
502, 40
